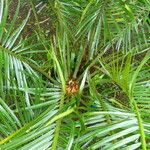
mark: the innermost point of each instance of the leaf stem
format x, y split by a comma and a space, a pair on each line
141, 128
69, 111
58, 125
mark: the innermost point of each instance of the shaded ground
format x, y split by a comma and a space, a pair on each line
32, 25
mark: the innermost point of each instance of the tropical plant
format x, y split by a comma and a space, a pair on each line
84, 86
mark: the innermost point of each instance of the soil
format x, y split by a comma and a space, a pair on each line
31, 27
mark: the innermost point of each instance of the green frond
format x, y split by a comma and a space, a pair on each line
79, 80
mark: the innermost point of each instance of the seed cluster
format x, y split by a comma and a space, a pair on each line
72, 87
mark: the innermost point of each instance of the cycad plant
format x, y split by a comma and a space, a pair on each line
85, 85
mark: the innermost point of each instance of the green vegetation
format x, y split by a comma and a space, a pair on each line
75, 75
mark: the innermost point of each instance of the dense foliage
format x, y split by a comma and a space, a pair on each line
80, 79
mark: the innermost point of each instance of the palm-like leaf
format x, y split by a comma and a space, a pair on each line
109, 110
